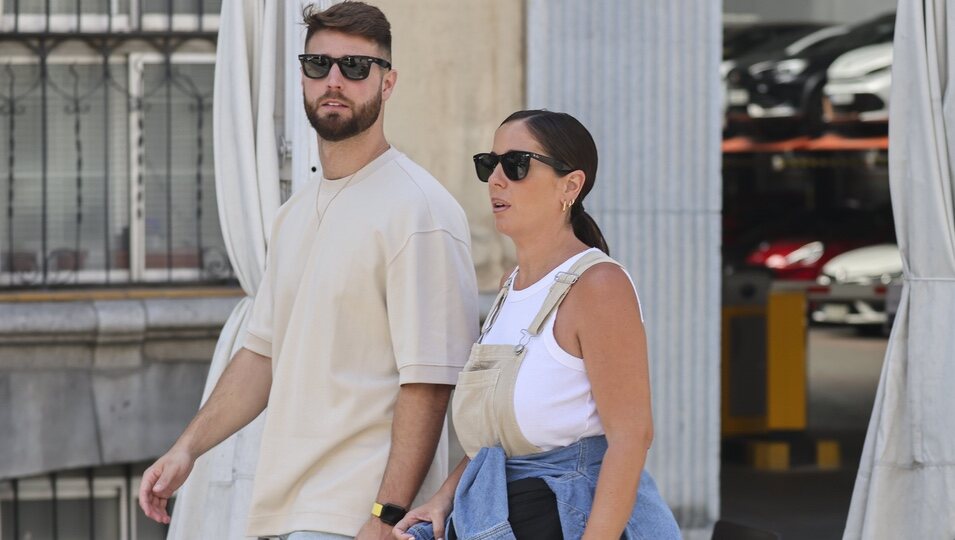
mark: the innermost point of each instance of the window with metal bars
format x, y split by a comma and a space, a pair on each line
100, 504
106, 154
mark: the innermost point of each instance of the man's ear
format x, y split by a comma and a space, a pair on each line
388, 84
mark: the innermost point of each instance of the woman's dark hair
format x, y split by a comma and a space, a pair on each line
353, 18
564, 138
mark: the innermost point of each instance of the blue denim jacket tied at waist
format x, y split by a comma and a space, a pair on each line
480, 501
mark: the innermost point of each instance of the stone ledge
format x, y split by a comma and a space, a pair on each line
110, 333
94, 382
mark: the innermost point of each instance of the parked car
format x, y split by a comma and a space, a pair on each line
741, 40
784, 92
854, 286
758, 41
798, 259
796, 246
871, 265
856, 100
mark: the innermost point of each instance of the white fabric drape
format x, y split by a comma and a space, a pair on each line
906, 481
215, 500
304, 141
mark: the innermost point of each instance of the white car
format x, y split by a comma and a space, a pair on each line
857, 93
853, 285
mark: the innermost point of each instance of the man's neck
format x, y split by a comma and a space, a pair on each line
344, 158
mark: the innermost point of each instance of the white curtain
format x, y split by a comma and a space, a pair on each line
906, 482
304, 141
215, 500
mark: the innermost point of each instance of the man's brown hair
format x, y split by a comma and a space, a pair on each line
353, 18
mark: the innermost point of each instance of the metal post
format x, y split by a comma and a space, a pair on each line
11, 145
79, 170
56, 531
106, 175
130, 512
44, 76
16, 507
92, 502
137, 256
168, 158
200, 113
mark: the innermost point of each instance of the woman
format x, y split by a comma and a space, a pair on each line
554, 402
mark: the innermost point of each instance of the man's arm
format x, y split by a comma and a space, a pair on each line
240, 395
415, 431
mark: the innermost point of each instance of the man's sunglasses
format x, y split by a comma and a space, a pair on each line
515, 164
356, 68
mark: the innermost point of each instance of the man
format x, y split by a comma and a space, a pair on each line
364, 317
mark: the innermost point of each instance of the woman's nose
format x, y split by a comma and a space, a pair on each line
497, 177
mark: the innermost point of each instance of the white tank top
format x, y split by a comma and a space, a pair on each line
552, 399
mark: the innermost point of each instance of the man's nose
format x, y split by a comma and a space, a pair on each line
334, 79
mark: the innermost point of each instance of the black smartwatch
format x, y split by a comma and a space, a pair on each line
388, 513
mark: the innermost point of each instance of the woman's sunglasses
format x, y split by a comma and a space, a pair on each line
515, 164
356, 68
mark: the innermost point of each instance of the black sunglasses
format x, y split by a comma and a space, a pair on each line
515, 164
356, 68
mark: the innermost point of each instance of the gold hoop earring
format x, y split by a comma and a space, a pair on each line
565, 206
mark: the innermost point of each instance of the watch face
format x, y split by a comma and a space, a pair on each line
391, 514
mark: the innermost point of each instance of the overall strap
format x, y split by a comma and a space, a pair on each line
496, 306
562, 283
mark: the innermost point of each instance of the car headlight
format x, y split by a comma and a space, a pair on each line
788, 70
808, 254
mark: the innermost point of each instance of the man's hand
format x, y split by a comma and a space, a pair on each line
240, 395
374, 529
161, 480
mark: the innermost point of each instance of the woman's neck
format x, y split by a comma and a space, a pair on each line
538, 256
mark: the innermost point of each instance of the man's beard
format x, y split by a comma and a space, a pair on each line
334, 128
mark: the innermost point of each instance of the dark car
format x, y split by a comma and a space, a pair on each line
796, 38
784, 91
742, 40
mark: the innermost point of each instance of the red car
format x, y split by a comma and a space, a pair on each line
799, 258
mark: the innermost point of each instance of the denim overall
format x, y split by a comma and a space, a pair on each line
483, 413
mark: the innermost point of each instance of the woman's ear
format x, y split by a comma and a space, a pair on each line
573, 183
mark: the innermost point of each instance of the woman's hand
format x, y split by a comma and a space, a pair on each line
435, 511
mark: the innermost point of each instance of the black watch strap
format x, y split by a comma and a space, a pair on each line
388, 513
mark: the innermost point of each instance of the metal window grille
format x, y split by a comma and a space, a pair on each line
106, 143
100, 504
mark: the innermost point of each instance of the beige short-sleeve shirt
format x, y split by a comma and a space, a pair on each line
381, 293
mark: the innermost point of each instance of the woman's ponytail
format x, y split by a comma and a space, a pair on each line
586, 229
